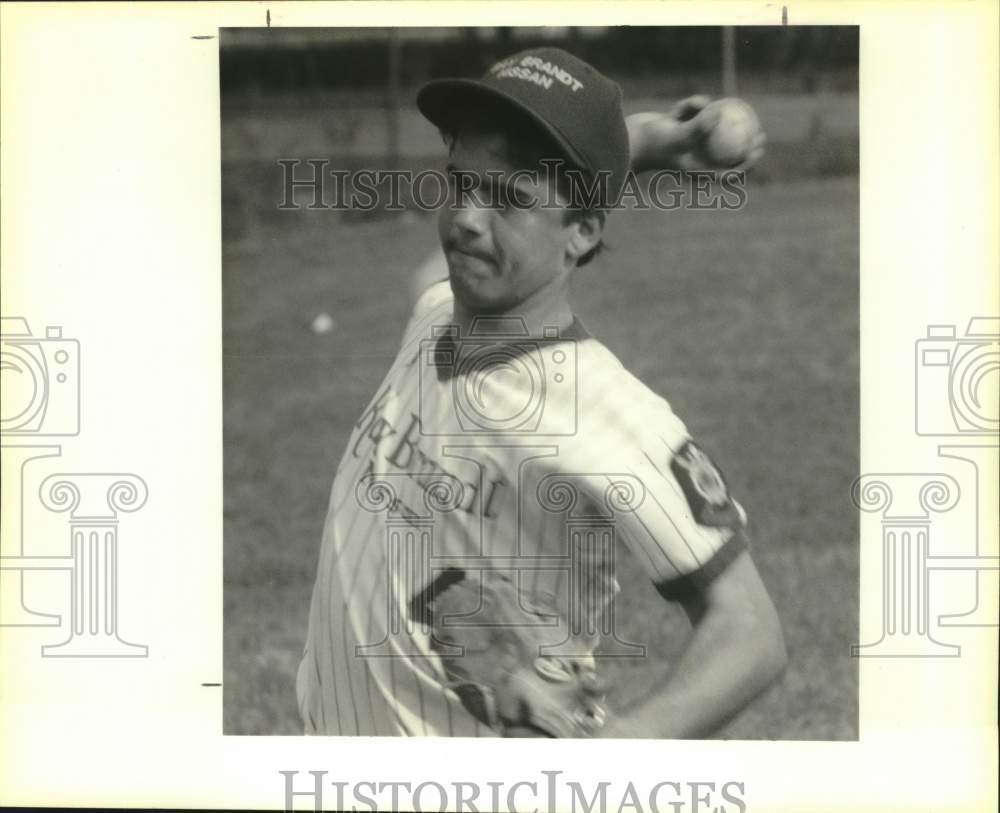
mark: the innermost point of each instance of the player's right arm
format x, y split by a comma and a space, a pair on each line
684, 528
735, 652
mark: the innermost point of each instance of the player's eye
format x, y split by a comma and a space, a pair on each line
470, 189
495, 194
499, 196
461, 182
518, 197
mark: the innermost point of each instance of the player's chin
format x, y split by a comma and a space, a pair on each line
478, 293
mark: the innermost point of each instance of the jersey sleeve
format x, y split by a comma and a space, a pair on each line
686, 527
679, 519
433, 307
430, 302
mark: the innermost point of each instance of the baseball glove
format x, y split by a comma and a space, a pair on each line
491, 638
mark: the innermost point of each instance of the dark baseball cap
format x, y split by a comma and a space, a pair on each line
571, 101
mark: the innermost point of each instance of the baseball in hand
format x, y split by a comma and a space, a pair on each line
731, 141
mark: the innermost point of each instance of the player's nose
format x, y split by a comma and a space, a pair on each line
471, 217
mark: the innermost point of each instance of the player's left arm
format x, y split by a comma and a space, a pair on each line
736, 651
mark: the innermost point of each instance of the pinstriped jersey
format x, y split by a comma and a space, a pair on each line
539, 458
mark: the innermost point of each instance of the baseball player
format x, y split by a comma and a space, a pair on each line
508, 458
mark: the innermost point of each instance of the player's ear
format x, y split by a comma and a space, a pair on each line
585, 231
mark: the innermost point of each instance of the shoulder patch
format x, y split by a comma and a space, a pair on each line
705, 488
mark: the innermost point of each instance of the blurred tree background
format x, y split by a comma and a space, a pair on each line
669, 60
347, 94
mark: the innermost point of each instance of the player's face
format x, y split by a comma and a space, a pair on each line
502, 246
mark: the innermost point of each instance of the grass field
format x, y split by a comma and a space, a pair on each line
747, 322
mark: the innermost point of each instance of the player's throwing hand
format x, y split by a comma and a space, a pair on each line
697, 133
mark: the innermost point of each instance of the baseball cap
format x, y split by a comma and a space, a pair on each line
570, 100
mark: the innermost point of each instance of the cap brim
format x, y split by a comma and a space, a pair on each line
442, 101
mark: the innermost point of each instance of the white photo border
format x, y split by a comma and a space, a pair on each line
111, 229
